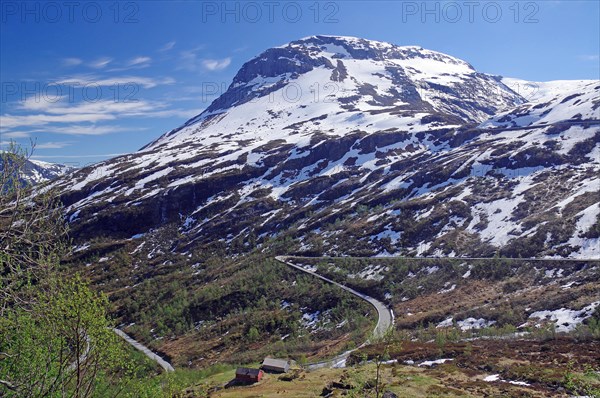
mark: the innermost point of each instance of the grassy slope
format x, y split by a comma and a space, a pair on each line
207, 308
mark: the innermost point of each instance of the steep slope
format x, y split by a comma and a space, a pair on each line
560, 102
412, 152
339, 84
534, 92
35, 171
338, 146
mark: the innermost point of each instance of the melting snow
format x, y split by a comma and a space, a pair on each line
569, 285
589, 248
565, 319
431, 270
371, 272
436, 362
496, 377
445, 323
451, 288
552, 273
472, 323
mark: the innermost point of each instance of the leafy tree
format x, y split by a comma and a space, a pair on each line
381, 357
253, 334
32, 229
55, 339
60, 344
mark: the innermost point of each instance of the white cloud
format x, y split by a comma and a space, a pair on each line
190, 60
76, 156
17, 121
92, 80
100, 63
16, 134
71, 61
139, 61
594, 57
91, 129
62, 117
53, 145
168, 46
216, 64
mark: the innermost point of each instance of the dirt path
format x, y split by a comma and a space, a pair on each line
163, 364
385, 314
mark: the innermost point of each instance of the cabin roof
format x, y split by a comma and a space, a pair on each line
247, 372
278, 363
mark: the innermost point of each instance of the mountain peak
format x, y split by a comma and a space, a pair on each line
379, 83
309, 132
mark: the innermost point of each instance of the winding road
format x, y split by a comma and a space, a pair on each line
163, 364
385, 314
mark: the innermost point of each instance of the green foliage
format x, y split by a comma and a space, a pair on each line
55, 336
253, 334
590, 329
587, 384
60, 343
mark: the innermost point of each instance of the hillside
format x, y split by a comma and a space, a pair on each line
36, 171
330, 146
390, 138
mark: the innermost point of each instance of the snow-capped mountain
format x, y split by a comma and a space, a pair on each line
349, 146
341, 84
555, 103
36, 171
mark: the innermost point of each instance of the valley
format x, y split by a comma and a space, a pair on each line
433, 188
404, 224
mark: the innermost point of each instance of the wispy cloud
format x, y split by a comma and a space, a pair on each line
71, 62
90, 79
19, 121
62, 117
16, 134
192, 61
189, 60
168, 46
100, 63
216, 64
72, 129
104, 155
590, 57
91, 129
53, 145
138, 61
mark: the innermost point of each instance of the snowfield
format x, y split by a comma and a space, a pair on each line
565, 320
312, 131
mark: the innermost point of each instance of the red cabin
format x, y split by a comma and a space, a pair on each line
247, 375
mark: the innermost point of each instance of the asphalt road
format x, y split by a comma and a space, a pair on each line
384, 323
163, 364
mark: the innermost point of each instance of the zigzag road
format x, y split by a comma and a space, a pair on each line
384, 323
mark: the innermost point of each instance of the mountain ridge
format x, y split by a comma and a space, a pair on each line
398, 82
182, 234
270, 164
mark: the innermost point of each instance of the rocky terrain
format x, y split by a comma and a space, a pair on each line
333, 146
370, 148
36, 171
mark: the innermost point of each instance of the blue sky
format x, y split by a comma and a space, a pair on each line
89, 80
